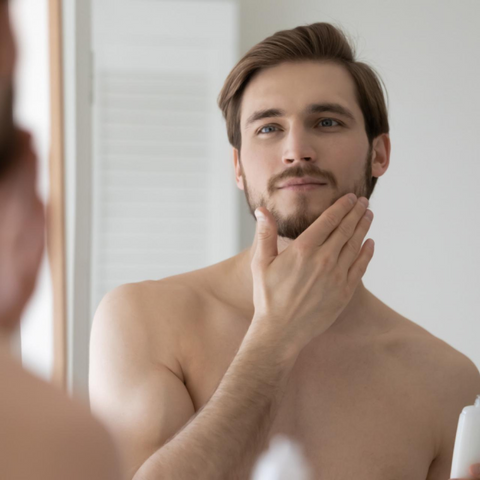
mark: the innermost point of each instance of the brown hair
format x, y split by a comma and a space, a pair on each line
7, 131
6, 124
318, 41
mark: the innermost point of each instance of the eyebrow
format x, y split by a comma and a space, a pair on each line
313, 108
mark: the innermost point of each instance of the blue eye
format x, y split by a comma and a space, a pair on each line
329, 120
261, 132
266, 126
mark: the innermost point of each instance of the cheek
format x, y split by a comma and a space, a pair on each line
262, 151
258, 170
349, 156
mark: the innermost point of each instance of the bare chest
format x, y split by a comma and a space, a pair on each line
356, 412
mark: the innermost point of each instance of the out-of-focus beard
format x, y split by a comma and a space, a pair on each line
7, 130
296, 223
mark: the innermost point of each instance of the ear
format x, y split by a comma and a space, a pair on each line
380, 155
238, 169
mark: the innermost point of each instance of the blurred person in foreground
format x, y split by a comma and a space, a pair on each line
196, 372
44, 434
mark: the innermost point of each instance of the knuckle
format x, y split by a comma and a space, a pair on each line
330, 220
302, 248
264, 234
352, 246
326, 262
345, 230
338, 277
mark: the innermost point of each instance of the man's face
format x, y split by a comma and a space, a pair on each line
327, 145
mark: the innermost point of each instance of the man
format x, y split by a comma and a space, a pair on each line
196, 372
44, 435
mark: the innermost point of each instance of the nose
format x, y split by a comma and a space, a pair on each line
298, 148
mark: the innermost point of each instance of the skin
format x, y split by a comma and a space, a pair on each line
185, 367
45, 435
322, 149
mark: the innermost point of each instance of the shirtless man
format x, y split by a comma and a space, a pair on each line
196, 372
44, 435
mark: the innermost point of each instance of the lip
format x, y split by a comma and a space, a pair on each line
304, 186
303, 181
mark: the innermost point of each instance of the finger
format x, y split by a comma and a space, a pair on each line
344, 232
316, 234
359, 267
352, 248
266, 249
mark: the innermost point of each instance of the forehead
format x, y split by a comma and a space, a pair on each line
293, 86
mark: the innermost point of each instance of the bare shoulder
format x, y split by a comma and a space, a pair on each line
421, 351
433, 355
148, 301
443, 381
155, 316
46, 435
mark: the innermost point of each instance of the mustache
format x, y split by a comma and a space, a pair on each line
7, 129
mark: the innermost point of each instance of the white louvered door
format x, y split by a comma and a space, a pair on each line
164, 195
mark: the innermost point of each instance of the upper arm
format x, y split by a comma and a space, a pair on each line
139, 398
461, 385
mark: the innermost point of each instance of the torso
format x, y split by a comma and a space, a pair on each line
363, 407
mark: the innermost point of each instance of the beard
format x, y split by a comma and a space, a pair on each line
294, 224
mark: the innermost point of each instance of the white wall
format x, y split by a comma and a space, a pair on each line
32, 110
120, 226
426, 226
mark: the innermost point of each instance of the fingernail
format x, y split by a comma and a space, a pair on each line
259, 216
352, 197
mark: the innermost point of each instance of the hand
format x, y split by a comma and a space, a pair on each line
299, 293
474, 472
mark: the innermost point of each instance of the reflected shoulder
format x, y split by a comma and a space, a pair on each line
47, 435
154, 319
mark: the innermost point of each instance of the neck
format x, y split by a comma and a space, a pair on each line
355, 318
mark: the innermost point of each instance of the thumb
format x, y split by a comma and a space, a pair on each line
266, 237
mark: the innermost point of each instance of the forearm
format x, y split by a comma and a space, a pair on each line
223, 440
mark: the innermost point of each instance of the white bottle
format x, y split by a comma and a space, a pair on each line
284, 460
467, 442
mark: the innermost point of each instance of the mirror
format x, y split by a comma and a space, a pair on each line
153, 191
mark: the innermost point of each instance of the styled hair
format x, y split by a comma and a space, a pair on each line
7, 131
316, 42
6, 126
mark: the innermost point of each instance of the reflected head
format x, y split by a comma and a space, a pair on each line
321, 42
